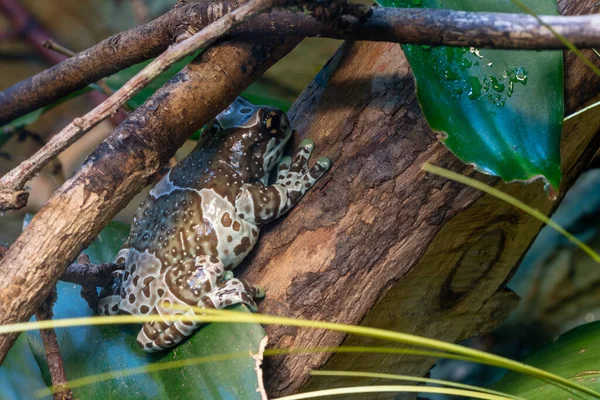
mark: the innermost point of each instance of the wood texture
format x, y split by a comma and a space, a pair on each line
380, 243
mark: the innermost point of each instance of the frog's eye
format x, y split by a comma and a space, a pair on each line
272, 121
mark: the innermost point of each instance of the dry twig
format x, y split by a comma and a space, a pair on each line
53, 356
89, 276
50, 341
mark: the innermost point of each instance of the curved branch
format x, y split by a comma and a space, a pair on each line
418, 26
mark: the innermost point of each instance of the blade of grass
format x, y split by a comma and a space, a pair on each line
560, 37
576, 113
213, 315
596, 52
167, 365
392, 389
513, 202
360, 374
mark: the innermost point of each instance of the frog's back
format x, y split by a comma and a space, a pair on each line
176, 223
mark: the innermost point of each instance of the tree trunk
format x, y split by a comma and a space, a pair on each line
380, 243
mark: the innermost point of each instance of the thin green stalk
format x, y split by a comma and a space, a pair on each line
213, 315
594, 105
560, 37
167, 365
377, 375
392, 389
513, 202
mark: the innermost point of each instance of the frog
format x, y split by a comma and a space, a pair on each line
203, 218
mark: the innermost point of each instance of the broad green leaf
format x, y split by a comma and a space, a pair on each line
500, 110
97, 349
20, 375
575, 356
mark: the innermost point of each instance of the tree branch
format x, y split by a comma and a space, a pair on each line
107, 57
53, 355
418, 26
15, 180
89, 276
29, 29
120, 167
32, 31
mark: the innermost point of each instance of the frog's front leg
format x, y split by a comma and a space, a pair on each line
259, 204
203, 283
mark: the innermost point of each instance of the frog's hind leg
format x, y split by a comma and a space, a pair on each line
180, 289
229, 292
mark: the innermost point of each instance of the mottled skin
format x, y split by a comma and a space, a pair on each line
203, 218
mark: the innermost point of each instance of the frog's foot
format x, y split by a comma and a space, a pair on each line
182, 286
295, 175
160, 335
110, 295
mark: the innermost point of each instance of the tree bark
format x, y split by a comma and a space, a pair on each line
120, 167
380, 243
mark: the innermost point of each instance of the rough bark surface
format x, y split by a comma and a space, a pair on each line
380, 243
119, 168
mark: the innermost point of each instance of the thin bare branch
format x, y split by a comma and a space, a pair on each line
52, 45
418, 26
50, 342
15, 180
53, 355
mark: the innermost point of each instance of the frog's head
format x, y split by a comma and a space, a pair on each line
252, 138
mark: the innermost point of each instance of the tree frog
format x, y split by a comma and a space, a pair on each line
201, 220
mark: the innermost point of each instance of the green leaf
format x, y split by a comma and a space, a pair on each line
500, 110
20, 375
92, 350
25, 120
575, 356
7, 131
264, 94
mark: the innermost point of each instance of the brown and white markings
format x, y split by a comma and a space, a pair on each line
203, 218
